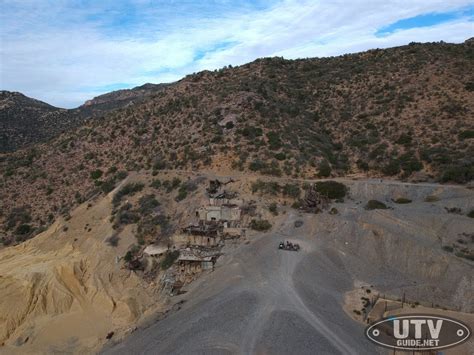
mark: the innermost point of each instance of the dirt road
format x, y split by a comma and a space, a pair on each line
260, 300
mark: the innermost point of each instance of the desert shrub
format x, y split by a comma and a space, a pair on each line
273, 208
333, 211
112, 170
409, 163
131, 253
251, 132
331, 189
455, 210
127, 217
404, 139
169, 259
156, 184
260, 225
147, 203
270, 188
121, 175
274, 141
107, 186
175, 182
280, 156
23, 229
468, 134
257, 165
392, 168
113, 240
182, 193
298, 223
324, 169
448, 248
271, 169
459, 174
431, 198
402, 200
362, 165
96, 174
128, 189
296, 205
375, 205
16, 216
464, 255
291, 190
471, 213
170, 185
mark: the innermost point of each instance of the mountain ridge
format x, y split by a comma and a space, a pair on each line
25, 121
403, 112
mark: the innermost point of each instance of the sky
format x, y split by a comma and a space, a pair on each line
65, 52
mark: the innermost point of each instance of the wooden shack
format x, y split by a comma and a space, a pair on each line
190, 264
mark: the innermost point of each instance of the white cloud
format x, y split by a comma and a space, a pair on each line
61, 62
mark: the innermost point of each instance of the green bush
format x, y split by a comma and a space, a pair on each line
274, 140
270, 188
273, 208
392, 168
113, 240
324, 169
156, 184
107, 185
170, 258
471, 213
257, 165
147, 204
448, 248
431, 198
375, 205
402, 200
467, 256
128, 189
23, 229
466, 134
459, 174
18, 215
182, 193
362, 165
251, 132
280, 156
291, 190
96, 174
261, 225
331, 189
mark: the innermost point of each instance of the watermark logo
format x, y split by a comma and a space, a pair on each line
418, 332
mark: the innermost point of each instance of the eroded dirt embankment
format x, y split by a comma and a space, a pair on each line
64, 290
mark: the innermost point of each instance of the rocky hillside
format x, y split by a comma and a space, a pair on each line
102, 104
404, 112
25, 121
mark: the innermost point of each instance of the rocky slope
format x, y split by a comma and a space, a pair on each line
405, 112
25, 121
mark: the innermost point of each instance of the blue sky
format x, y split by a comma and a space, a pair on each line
65, 52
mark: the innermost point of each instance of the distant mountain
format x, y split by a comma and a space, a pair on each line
25, 121
404, 113
121, 98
